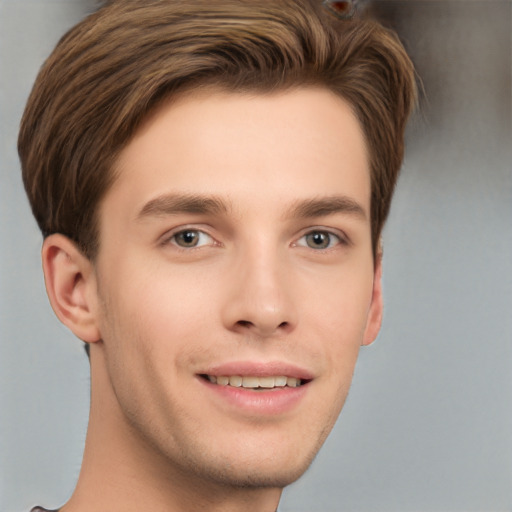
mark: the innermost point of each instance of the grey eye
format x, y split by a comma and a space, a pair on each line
190, 238
187, 238
319, 240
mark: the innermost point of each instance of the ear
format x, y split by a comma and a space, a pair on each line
374, 319
71, 286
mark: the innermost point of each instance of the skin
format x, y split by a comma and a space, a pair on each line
280, 274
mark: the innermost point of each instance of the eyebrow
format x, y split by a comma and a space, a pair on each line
173, 204
323, 206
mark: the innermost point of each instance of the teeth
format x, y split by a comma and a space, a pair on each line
266, 382
280, 381
292, 382
223, 381
249, 382
236, 381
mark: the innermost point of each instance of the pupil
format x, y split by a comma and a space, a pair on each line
319, 240
188, 237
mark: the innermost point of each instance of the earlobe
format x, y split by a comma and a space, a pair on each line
71, 286
374, 319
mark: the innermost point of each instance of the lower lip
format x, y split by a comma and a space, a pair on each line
269, 402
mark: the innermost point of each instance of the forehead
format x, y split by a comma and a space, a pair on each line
267, 148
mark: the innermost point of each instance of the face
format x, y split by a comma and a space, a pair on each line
236, 281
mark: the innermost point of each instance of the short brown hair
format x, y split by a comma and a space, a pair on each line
111, 70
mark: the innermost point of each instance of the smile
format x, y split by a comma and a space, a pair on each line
256, 390
253, 382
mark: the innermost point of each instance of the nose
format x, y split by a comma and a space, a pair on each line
259, 296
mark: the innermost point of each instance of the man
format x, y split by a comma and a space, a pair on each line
211, 180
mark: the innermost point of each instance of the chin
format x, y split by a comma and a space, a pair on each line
255, 469
259, 478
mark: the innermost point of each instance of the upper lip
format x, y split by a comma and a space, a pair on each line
259, 369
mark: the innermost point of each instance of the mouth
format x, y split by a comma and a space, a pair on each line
255, 383
257, 389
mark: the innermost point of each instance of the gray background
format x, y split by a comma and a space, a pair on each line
428, 424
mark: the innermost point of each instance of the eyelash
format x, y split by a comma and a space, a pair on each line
334, 239
339, 239
201, 234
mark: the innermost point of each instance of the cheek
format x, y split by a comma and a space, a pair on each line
155, 321
338, 319
141, 341
153, 298
340, 311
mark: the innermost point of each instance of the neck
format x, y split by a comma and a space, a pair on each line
122, 471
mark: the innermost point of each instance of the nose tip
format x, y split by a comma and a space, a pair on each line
259, 301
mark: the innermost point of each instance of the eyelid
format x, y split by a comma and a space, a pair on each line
343, 239
169, 237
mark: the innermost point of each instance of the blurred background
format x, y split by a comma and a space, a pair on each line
428, 423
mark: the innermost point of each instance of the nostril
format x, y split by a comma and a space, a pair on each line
246, 324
